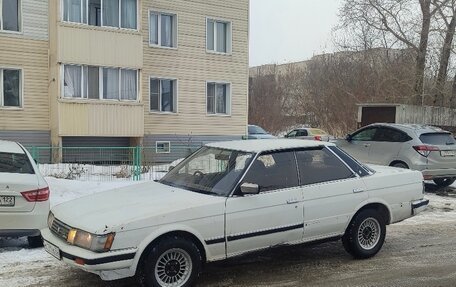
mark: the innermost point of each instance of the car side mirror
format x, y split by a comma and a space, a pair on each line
349, 137
250, 188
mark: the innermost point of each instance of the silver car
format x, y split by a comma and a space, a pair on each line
310, 134
428, 149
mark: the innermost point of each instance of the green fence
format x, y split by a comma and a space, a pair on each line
109, 163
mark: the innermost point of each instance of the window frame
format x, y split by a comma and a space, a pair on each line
100, 84
176, 88
86, 21
175, 29
229, 36
21, 88
229, 96
19, 19
162, 142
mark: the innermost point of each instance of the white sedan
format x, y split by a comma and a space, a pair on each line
228, 199
24, 195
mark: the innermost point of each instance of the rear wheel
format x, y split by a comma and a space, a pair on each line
35, 241
365, 235
444, 182
173, 262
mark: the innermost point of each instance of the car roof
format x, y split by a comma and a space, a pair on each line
10, 147
262, 145
416, 128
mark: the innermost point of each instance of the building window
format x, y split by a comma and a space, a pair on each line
163, 95
218, 98
91, 82
108, 13
218, 36
162, 29
162, 147
10, 88
10, 19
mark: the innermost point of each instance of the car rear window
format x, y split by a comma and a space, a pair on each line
15, 163
438, 139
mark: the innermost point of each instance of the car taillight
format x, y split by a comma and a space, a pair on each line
38, 195
317, 138
425, 150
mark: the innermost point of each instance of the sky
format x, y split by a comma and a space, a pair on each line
283, 31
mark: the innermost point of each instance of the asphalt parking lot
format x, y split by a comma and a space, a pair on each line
417, 253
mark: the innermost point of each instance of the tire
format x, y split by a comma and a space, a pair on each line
35, 241
365, 234
400, 165
444, 182
165, 261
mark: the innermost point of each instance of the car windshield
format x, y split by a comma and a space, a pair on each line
256, 130
438, 139
210, 171
15, 163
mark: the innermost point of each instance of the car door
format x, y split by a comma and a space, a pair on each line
359, 144
386, 145
273, 216
331, 193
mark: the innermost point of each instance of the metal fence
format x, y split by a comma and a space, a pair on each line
108, 163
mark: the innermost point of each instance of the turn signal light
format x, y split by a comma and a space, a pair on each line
317, 138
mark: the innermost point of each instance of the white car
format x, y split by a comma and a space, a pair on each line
24, 195
228, 199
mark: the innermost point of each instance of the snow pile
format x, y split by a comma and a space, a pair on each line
440, 209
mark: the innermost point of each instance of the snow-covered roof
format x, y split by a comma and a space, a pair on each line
268, 144
10, 147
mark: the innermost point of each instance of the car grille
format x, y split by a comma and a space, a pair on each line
60, 229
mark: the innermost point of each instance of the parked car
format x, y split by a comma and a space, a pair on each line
427, 149
228, 199
256, 132
24, 195
310, 134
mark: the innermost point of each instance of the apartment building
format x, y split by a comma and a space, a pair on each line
127, 72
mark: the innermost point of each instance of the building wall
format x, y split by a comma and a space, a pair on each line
28, 50
192, 66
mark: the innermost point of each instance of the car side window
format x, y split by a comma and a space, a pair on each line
391, 135
320, 165
292, 134
302, 133
365, 135
273, 171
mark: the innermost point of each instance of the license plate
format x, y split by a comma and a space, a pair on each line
448, 153
7, 200
52, 249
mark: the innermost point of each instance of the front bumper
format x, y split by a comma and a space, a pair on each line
419, 206
111, 265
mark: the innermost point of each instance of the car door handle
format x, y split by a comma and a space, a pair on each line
292, 201
358, 190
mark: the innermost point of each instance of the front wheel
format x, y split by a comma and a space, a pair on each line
174, 261
365, 235
444, 182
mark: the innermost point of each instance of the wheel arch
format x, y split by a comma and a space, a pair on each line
381, 207
396, 161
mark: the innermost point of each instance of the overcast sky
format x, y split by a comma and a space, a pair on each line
284, 31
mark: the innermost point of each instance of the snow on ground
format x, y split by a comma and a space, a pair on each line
15, 252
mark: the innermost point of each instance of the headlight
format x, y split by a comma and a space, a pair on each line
86, 240
50, 219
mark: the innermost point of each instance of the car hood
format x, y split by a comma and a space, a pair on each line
118, 209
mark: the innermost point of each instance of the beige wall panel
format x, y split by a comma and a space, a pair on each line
32, 57
99, 46
101, 119
193, 66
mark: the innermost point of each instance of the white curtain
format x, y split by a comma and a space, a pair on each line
128, 14
221, 37
72, 11
72, 82
167, 30
221, 99
128, 85
153, 29
111, 13
110, 83
210, 35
